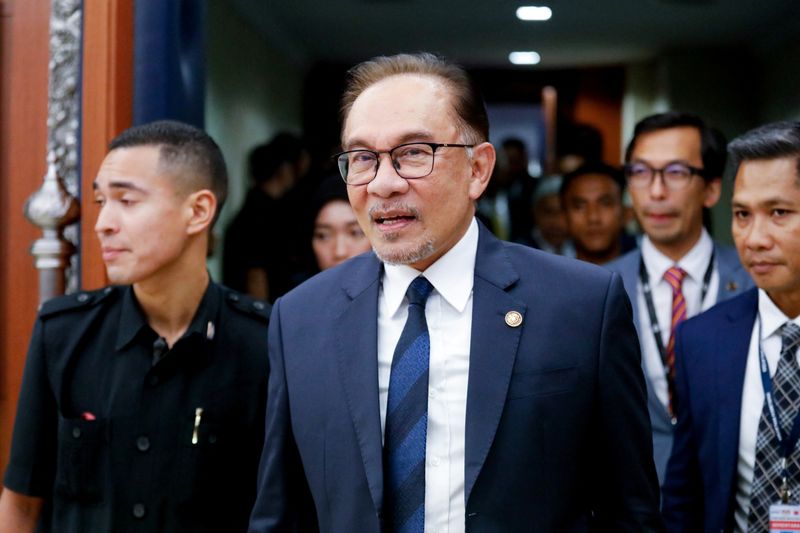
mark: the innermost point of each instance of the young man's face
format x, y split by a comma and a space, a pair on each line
766, 226
414, 221
143, 219
593, 209
672, 219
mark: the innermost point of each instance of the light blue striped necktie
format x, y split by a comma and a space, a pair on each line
407, 419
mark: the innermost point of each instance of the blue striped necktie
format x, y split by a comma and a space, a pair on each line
407, 419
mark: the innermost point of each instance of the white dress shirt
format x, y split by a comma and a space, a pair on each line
448, 312
772, 319
695, 263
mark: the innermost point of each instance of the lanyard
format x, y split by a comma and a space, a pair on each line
651, 308
786, 445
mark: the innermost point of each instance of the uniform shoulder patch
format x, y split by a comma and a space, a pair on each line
248, 305
78, 300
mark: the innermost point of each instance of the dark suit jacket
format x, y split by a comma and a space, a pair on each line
733, 280
710, 358
557, 433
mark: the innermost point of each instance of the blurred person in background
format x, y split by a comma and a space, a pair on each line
591, 197
258, 249
336, 234
549, 232
674, 166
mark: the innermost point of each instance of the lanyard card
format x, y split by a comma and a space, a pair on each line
784, 518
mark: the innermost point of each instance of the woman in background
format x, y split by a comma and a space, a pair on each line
336, 235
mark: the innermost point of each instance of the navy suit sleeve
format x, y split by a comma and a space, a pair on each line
682, 505
283, 502
626, 486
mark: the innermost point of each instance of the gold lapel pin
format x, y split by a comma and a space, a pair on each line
732, 286
513, 319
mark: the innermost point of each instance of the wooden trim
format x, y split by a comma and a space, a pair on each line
550, 112
107, 110
24, 56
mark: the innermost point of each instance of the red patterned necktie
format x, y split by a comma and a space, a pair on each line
674, 276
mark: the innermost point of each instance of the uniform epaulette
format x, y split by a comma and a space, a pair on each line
248, 305
78, 300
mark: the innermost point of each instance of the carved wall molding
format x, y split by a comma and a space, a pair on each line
54, 207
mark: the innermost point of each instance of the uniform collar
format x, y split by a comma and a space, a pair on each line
452, 275
133, 323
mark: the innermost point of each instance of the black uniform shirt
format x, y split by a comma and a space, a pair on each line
120, 434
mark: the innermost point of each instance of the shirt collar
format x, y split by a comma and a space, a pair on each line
772, 318
132, 321
695, 262
452, 275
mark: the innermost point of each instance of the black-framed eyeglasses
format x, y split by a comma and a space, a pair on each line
410, 161
676, 175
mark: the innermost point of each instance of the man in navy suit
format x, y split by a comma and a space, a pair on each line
725, 471
674, 165
512, 399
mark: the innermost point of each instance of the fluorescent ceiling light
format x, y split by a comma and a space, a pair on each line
524, 58
534, 13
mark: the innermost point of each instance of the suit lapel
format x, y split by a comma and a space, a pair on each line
733, 278
732, 345
357, 350
493, 350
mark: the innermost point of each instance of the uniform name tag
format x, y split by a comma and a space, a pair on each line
784, 518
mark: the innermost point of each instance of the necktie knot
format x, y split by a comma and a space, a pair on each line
790, 338
418, 291
674, 276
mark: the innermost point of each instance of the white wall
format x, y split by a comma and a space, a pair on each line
731, 89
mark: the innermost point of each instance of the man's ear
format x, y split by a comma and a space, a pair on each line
201, 206
713, 189
482, 163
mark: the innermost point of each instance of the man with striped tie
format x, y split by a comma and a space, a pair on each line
735, 464
673, 165
448, 381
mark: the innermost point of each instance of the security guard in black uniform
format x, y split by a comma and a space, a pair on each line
142, 404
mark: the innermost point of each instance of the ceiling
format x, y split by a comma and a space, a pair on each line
482, 33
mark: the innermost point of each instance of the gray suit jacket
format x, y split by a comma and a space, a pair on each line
733, 280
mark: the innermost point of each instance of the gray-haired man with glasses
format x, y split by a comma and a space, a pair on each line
673, 166
448, 381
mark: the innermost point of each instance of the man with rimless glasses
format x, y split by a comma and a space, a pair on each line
448, 381
673, 166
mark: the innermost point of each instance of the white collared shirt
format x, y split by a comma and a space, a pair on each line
695, 263
448, 312
772, 319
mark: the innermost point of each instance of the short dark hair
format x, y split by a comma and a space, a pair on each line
583, 140
712, 141
613, 173
771, 141
514, 143
185, 147
265, 159
467, 102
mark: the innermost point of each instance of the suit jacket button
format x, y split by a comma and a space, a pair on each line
513, 319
